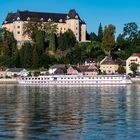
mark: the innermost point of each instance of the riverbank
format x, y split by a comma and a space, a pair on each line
9, 81
135, 80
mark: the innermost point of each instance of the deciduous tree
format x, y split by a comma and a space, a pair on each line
108, 41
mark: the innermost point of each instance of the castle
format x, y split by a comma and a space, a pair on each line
14, 22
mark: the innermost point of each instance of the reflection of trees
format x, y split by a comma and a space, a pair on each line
133, 107
65, 111
15, 108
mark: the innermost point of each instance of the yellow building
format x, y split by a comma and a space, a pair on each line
14, 22
108, 66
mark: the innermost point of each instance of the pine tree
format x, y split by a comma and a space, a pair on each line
52, 42
17, 59
35, 59
100, 33
39, 43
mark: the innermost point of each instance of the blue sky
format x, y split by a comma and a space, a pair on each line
117, 12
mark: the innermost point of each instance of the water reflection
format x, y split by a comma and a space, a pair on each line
64, 113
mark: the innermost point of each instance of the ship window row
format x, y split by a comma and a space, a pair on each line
67, 82
93, 78
36, 78
76, 78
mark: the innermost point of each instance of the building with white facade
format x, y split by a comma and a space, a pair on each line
134, 58
14, 22
13, 72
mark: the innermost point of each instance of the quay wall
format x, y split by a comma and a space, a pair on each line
9, 81
135, 80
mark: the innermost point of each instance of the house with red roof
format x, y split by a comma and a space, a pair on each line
83, 70
134, 58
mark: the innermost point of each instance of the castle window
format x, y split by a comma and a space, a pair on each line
18, 32
76, 16
18, 26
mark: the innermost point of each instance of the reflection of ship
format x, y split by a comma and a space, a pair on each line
76, 80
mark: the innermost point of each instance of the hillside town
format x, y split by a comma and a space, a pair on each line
107, 66
39, 43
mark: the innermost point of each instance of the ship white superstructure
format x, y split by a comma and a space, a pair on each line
76, 80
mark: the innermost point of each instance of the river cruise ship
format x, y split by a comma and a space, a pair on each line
76, 80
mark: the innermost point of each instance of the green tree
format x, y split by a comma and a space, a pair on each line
50, 28
31, 28
52, 42
26, 55
39, 44
130, 31
46, 61
93, 37
36, 64
122, 43
34, 26
97, 53
66, 40
134, 67
121, 70
8, 42
108, 40
77, 55
16, 58
100, 33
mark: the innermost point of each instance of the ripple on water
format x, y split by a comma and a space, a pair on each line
69, 113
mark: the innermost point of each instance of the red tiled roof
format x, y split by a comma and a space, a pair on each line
136, 54
83, 67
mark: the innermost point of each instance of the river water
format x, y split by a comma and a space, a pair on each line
69, 113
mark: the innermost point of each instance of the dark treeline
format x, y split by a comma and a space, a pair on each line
47, 48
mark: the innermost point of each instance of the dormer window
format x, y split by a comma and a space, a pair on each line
60, 20
76, 17
68, 17
41, 19
18, 18
49, 19
28, 18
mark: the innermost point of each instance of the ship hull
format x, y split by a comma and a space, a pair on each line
76, 80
